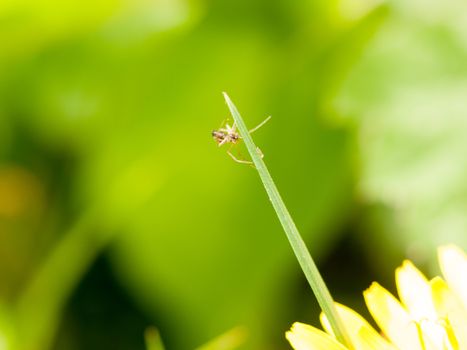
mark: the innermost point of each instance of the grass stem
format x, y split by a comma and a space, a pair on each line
298, 245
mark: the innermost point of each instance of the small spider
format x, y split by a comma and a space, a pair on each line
229, 134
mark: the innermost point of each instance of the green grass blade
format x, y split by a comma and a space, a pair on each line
153, 339
54, 281
230, 340
298, 245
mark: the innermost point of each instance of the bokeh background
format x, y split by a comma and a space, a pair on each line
118, 211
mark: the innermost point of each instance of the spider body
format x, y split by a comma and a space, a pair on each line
226, 135
229, 134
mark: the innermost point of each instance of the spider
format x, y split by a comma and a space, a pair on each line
229, 134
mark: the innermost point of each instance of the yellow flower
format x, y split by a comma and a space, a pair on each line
431, 315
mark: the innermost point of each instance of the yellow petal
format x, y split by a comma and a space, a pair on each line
453, 263
362, 334
392, 318
415, 293
304, 337
370, 340
451, 312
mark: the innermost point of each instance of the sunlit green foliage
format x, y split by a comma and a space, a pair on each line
106, 109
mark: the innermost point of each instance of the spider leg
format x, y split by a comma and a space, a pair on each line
241, 161
260, 153
223, 122
260, 125
225, 140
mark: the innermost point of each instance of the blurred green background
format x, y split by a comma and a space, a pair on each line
118, 211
